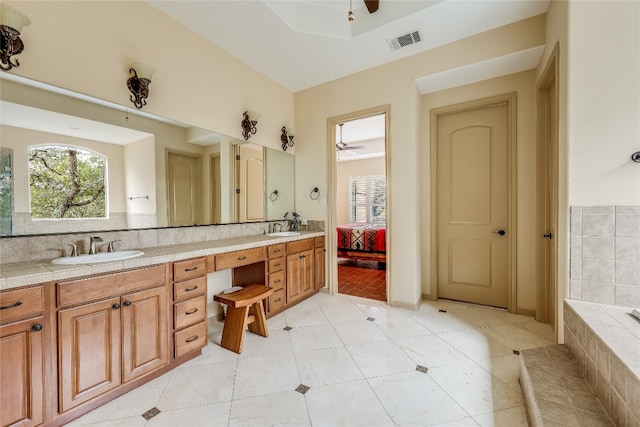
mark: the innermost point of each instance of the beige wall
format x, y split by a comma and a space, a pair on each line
353, 168
524, 86
393, 84
89, 46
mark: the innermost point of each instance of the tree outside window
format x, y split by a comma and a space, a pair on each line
66, 182
368, 199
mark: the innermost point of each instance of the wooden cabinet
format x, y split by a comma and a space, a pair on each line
276, 278
299, 269
109, 342
319, 263
22, 372
189, 306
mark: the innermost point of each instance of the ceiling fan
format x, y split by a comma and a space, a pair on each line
343, 146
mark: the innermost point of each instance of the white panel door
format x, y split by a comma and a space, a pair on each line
472, 207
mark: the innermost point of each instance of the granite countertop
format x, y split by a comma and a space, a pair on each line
28, 273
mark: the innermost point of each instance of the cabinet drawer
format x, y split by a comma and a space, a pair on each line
276, 251
191, 338
299, 246
188, 269
277, 300
319, 242
189, 288
277, 280
191, 311
276, 264
239, 258
21, 302
99, 287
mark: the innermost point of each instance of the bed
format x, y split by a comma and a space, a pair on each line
362, 241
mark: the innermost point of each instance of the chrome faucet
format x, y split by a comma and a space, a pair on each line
92, 244
110, 247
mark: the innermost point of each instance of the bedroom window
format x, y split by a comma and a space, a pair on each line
368, 199
66, 182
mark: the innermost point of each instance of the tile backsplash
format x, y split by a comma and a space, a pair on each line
605, 254
49, 246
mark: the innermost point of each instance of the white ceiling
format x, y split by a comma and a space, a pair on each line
303, 43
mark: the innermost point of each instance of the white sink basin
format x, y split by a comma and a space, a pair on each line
284, 233
96, 258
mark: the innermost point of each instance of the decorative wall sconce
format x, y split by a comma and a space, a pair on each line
139, 84
11, 23
286, 138
249, 122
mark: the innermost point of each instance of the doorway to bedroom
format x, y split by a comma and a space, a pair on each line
361, 206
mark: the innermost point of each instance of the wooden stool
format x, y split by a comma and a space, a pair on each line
244, 308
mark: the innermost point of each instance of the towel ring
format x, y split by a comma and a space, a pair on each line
315, 192
636, 157
273, 196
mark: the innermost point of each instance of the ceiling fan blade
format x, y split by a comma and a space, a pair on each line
372, 5
356, 147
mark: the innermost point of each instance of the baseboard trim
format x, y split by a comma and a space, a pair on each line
526, 312
407, 305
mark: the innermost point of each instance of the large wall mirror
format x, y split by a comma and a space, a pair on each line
155, 172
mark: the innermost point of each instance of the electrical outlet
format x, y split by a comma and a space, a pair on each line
304, 221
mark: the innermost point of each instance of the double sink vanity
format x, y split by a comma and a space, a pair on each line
78, 332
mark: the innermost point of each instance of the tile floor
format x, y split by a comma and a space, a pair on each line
360, 363
366, 279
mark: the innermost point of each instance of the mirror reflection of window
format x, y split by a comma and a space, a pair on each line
6, 190
66, 182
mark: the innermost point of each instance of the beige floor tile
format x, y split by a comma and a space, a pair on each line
280, 409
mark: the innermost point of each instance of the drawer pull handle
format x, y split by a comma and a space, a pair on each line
115, 306
127, 303
240, 258
192, 288
277, 300
191, 268
191, 339
16, 304
276, 251
195, 310
277, 265
37, 327
276, 281
302, 256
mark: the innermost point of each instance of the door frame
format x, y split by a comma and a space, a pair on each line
547, 135
510, 99
331, 237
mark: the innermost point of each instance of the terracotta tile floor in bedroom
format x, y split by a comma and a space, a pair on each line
366, 279
347, 361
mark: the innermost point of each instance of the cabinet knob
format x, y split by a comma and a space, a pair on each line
37, 327
115, 306
127, 303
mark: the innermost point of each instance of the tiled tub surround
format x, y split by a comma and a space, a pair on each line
605, 342
26, 260
605, 255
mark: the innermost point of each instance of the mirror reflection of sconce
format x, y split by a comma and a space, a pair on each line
286, 138
11, 23
139, 84
315, 193
249, 122
273, 196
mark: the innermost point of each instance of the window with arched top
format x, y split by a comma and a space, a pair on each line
67, 182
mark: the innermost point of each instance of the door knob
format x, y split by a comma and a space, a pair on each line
500, 232
549, 235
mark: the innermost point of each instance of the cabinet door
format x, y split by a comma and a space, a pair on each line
144, 332
89, 351
294, 278
21, 373
319, 268
306, 261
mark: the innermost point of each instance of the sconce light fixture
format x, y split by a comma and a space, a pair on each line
11, 23
286, 138
139, 84
249, 122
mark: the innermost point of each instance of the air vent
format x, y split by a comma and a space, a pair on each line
405, 40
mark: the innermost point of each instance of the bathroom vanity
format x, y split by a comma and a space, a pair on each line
87, 334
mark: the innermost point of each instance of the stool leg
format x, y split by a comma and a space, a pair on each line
259, 326
233, 331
